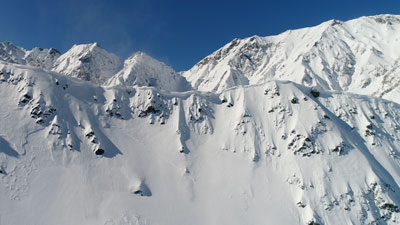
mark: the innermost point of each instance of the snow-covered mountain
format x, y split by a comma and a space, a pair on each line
301, 142
360, 56
37, 57
142, 70
88, 62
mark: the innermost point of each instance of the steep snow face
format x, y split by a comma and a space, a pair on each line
11, 53
88, 62
142, 70
275, 153
43, 58
360, 56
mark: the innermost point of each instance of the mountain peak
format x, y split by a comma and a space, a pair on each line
141, 69
88, 62
140, 56
85, 48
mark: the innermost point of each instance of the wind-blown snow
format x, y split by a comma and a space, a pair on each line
320, 148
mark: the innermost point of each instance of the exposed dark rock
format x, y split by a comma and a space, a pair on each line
39, 121
301, 204
390, 207
89, 134
142, 190
313, 223
314, 93
25, 98
369, 131
99, 151
150, 110
340, 148
138, 192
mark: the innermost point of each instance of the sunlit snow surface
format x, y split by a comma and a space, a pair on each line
259, 151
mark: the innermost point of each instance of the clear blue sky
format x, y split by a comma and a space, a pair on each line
178, 32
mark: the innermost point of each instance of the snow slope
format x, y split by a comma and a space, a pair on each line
144, 150
267, 153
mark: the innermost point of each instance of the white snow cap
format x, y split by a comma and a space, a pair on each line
88, 62
142, 70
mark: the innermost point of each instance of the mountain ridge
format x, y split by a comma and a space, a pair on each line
311, 62
351, 66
